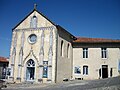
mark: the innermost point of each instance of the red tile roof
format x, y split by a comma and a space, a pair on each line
95, 40
3, 59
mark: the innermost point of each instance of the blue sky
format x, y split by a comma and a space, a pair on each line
85, 18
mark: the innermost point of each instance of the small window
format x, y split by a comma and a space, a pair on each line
77, 70
111, 72
45, 63
45, 69
104, 52
119, 66
8, 71
33, 23
32, 38
4, 72
68, 51
85, 70
62, 48
85, 52
30, 63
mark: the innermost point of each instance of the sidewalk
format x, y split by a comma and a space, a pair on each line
42, 85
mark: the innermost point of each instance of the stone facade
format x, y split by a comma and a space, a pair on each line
22, 49
44, 52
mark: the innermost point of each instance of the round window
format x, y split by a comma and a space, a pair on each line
32, 38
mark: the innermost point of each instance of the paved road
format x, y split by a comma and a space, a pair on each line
103, 84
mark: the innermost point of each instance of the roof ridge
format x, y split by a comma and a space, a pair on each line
96, 38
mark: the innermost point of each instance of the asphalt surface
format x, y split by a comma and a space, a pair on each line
102, 84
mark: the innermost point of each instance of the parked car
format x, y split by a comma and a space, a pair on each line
2, 84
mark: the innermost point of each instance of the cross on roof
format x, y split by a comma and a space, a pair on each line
35, 6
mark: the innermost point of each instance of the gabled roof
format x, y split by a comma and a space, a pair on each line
57, 26
3, 59
94, 40
30, 14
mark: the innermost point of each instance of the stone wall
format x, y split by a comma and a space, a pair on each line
64, 61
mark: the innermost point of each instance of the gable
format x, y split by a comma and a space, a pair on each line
42, 21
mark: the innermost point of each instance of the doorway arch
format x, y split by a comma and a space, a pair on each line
30, 70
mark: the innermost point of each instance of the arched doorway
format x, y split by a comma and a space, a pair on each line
30, 70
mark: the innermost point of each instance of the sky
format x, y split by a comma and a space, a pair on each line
83, 18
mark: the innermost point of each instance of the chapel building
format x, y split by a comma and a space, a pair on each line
44, 52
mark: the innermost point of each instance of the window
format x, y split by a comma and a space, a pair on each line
111, 72
8, 71
104, 52
45, 69
32, 38
68, 51
77, 70
85, 52
30, 63
45, 63
119, 66
62, 49
33, 23
85, 70
4, 69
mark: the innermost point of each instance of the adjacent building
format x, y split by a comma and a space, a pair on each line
44, 52
3, 67
95, 58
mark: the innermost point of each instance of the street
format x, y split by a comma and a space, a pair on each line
102, 84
